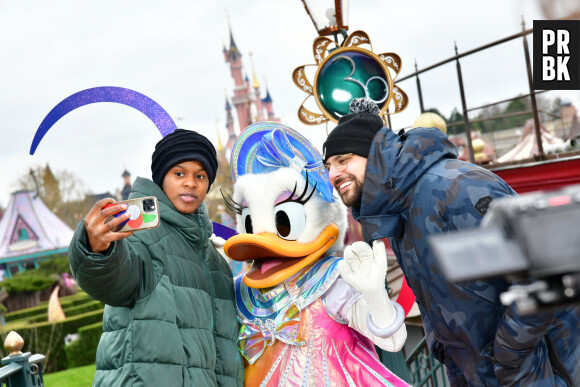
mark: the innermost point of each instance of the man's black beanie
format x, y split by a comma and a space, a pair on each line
355, 131
179, 146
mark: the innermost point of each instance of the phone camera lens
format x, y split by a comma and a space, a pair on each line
148, 205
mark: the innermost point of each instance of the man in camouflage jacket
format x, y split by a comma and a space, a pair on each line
414, 186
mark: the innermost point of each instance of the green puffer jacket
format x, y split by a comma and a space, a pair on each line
170, 317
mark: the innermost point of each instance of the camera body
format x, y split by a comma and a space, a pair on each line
144, 214
532, 240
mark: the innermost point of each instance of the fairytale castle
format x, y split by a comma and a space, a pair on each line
250, 106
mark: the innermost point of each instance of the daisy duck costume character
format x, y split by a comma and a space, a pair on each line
308, 318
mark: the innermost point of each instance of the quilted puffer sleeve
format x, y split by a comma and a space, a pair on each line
116, 277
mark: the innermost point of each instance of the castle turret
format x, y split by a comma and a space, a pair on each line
230, 127
246, 95
240, 100
260, 116
267, 103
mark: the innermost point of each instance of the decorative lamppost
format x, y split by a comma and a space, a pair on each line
345, 71
328, 16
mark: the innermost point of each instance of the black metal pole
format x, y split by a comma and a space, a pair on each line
419, 90
533, 94
465, 112
389, 119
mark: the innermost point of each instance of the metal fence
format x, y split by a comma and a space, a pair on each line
464, 105
424, 369
20, 369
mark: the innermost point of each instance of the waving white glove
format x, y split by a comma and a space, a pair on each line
365, 270
218, 243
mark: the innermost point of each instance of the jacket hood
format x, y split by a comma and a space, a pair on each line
167, 211
395, 164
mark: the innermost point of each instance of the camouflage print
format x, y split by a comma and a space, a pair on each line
414, 187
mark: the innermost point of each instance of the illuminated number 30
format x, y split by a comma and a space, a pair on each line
365, 85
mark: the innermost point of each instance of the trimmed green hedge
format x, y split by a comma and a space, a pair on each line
69, 311
48, 338
84, 350
80, 296
65, 302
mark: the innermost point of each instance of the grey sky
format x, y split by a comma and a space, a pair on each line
171, 51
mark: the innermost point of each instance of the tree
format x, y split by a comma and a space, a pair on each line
223, 183
455, 117
436, 111
62, 192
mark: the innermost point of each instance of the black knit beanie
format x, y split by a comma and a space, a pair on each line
179, 146
355, 131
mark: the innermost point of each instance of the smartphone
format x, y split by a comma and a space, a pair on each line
144, 214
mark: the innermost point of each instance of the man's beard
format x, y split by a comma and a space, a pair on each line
354, 195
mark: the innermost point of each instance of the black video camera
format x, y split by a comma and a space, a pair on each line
532, 240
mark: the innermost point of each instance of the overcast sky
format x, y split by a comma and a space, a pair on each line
171, 51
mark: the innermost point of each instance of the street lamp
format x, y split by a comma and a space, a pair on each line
328, 16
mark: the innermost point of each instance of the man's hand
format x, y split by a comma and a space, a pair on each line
365, 269
102, 234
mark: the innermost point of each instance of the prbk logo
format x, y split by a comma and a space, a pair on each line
556, 55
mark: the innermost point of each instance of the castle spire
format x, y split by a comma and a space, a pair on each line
220, 146
256, 83
267, 98
233, 48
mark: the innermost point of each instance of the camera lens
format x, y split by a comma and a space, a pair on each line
148, 205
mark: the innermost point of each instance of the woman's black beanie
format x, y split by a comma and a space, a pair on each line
355, 131
179, 146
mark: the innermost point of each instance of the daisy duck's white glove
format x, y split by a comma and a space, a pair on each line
365, 270
218, 243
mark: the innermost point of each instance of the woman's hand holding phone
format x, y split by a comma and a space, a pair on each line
102, 233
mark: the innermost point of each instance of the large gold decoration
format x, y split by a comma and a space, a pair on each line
347, 72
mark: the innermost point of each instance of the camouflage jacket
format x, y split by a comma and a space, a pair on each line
415, 186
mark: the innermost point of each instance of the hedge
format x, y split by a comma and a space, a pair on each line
69, 311
48, 338
84, 350
80, 296
65, 302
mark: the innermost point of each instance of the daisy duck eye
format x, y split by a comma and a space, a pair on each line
289, 214
247, 221
290, 220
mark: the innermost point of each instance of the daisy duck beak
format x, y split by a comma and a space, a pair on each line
276, 259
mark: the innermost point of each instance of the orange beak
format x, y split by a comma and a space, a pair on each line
276, 259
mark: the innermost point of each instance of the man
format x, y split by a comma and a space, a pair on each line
414, 186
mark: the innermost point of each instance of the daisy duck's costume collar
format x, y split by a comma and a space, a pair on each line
275, 315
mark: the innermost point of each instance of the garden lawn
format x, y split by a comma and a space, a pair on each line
74, 377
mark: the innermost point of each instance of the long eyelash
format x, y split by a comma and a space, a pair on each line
232, 204
299, 199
